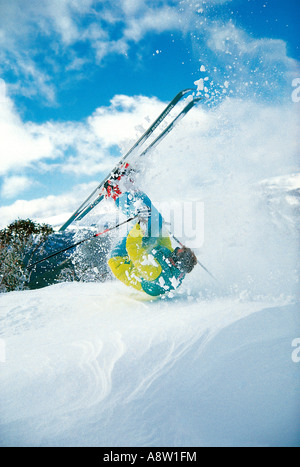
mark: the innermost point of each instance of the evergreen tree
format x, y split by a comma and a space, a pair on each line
18, 243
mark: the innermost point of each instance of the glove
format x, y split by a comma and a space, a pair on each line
111, 186
112, 190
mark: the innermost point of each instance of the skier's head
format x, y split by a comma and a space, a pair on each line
184, 259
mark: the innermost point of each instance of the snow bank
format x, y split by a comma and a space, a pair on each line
99, 365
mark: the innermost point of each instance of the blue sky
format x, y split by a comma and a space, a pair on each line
63, 64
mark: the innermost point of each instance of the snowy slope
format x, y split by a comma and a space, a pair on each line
99, 365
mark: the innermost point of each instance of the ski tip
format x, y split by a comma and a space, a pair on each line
194, 102
194, 90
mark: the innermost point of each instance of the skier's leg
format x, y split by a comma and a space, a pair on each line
153, 225
141, 256
131, 203
121, 266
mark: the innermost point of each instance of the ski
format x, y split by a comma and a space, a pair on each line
170, 127
79, 212
147, 151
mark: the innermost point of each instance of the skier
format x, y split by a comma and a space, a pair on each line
145, 259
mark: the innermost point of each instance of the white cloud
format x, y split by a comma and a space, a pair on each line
82, 148
25, 145
131, 7
94, 145
19, 145
40, 81
122, 120
55, 22
252, 67
63, 23
13, 186
116, 126
228, 38
76, 64
153, 20
50, 208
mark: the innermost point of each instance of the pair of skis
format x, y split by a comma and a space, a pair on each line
98, 194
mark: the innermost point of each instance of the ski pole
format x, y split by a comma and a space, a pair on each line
109, 229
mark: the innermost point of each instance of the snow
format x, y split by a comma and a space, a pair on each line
200, 84
101, 365
175, 282
149, 260
212, 364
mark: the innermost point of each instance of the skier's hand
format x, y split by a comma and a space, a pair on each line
112, 190
112, 186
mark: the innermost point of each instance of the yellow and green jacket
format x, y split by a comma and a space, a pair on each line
145, 266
